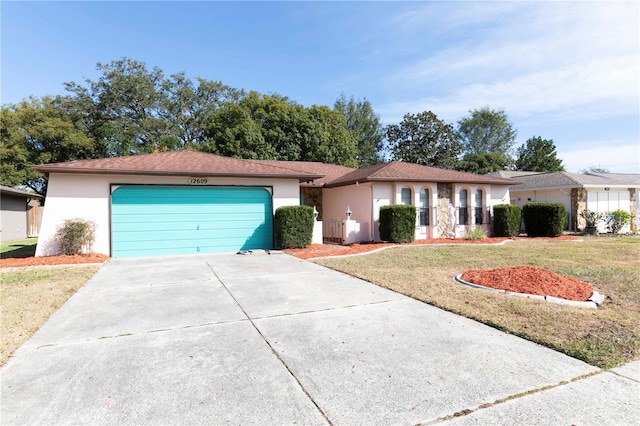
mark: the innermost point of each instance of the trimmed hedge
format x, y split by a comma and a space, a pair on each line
293, 226
398, 223
544, 219
506, 220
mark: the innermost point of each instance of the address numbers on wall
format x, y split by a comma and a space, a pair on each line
198, 181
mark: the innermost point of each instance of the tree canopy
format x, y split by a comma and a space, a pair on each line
36, 132
538, 155
424, 139
487, 131
484, 163
270, 127
365, 125
133, 110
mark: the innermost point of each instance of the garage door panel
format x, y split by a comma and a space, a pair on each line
182, 209
219, 233
183, 227
156, 220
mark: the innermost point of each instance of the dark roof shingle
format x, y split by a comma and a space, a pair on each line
329, 171
410, 172
553, 180
181, 163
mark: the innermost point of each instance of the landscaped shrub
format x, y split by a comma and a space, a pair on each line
293, 226
618, 220
475, 234
506, 220
76, 236
544, 219
398, 223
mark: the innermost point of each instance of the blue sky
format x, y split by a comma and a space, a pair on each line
567, 71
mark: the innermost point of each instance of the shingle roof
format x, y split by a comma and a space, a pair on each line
628, 178
329, 171
556, 180
409, 172
19, 192
181, 163
193, 163
509, 174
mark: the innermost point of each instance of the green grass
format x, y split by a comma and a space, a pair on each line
30, 296
18, 248
606, 337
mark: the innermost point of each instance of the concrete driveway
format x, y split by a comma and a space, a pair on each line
270, 339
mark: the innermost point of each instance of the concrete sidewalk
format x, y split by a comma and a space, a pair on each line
270, 339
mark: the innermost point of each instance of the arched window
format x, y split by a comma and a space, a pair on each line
424, 207
479, 210
463, 209
405, 196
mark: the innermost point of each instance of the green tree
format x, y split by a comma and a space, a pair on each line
330, 141
126, 103
131, 109
487, 131
424, 139
270, 127
484, 163
186, 105
365, 125
37, 132
538, 155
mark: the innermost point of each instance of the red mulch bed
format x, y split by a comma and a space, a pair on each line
53, 260
323, 250
523, 279
530, 280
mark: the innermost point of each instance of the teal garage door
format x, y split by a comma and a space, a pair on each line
159, 220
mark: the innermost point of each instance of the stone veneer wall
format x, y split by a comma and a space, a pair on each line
578, 205
445, 194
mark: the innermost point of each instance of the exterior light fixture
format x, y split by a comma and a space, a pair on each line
348, 212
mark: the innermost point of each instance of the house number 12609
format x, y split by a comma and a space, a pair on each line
197, 181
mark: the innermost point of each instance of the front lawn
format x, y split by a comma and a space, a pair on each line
30, 296
604, 337
18, 248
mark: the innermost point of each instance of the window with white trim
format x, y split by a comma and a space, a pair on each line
424, 207
463, 209
405, 196
479, 209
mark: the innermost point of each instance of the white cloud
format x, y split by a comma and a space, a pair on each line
601, 88
616, 156
529, 58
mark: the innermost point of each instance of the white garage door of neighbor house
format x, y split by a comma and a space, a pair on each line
607, 202
161, 220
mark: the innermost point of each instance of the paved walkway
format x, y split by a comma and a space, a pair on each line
270, 339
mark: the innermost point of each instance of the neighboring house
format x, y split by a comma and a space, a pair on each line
187, 202
19, 213
601, 192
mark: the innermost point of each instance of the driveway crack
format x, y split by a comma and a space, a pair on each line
275, 353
